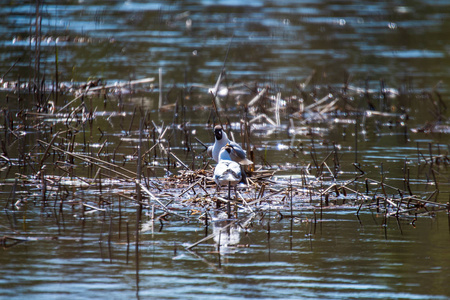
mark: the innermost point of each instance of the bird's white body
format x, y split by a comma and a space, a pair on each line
221, 140
227, 172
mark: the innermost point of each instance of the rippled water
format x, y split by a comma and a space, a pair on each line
340, 257
275, 40
281, 43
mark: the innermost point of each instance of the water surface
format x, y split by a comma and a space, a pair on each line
329, 254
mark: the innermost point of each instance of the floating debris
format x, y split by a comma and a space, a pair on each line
176, 180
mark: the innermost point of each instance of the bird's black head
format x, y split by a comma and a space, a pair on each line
228, 148
218, 132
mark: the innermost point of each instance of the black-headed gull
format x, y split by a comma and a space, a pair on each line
227, 172
237, 154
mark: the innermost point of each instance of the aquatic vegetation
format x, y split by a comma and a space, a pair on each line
72, 158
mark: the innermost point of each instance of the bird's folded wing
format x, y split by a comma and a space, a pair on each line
209, 151
239, 155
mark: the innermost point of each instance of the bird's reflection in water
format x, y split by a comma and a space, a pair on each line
227, 233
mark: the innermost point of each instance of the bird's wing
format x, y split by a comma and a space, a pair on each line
245, 162
209, 151
237, 150
239, 155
